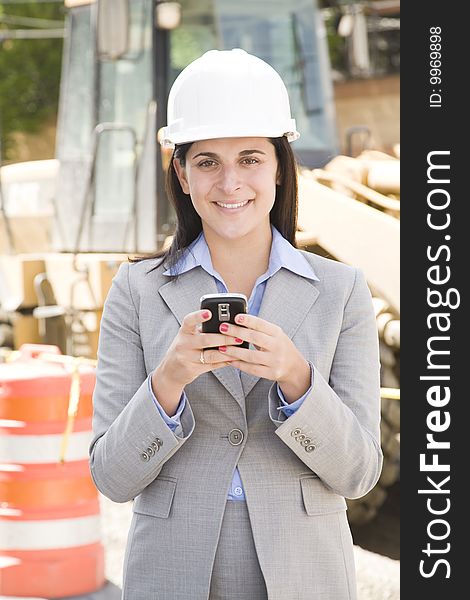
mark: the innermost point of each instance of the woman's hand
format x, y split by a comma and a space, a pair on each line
182, 362
276, 356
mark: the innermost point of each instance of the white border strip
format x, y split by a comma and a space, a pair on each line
49, 534
35, 449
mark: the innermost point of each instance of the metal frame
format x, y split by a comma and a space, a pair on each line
89, 199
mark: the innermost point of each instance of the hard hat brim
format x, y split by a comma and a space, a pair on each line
170, 139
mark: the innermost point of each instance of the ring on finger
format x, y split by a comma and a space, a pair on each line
201, 358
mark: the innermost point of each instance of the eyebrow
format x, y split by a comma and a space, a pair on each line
242, 153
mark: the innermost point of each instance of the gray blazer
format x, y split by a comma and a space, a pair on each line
296, 471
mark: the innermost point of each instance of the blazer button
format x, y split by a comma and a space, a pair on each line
159, 443
145, 457
300, 437
155, 446
150, 451
295, 432
306, 442
310, 448
235, 437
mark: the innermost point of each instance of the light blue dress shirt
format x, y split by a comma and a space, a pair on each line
283, 255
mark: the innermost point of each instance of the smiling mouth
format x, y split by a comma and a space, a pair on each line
233, 205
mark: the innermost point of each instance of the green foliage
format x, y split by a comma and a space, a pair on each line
335, 42
29, 73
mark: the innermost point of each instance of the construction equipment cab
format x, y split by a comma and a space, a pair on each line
120, 60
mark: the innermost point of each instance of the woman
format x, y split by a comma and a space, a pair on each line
238, 460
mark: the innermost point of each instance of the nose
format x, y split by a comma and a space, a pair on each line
229, 181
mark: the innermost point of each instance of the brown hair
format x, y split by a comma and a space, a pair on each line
283, 214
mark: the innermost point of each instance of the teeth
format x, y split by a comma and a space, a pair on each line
232, 205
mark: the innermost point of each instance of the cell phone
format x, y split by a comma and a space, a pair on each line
224, 308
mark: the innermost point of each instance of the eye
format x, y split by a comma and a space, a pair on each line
250, 160
207, 163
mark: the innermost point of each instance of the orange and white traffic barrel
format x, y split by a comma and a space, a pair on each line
49, 511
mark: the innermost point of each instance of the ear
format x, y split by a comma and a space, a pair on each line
181, 174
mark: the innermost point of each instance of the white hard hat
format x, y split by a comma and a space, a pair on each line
228, 93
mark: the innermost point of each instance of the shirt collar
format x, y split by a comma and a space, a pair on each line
282, 255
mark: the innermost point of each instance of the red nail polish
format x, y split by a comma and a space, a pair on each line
240, 318
206, 314
224, 327
238, 340
222, 348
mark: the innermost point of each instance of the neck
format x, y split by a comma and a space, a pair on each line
240, 259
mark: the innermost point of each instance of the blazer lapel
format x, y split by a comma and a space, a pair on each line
182, 297
287, 299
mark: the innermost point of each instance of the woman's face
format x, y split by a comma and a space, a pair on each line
232, 184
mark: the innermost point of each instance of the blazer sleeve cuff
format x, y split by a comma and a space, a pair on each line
347, 459
130, 455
